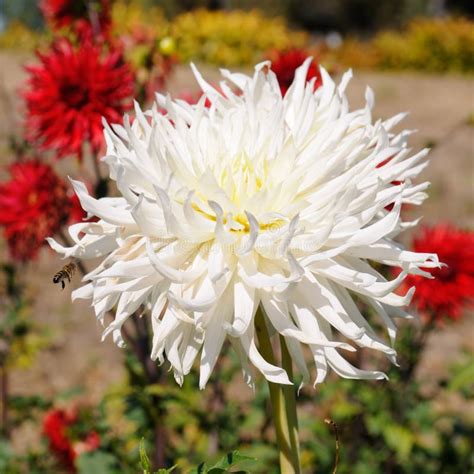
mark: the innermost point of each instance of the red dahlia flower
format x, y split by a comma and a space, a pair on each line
57, 426
79, 14
285, 63
193, 98
453, 286
70, 91
76, 213
34, 204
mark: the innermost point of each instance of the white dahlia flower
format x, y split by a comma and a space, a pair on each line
260, 199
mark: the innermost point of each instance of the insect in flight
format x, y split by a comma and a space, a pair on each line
66, 272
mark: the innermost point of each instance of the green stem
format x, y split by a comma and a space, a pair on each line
289, 392
283, 404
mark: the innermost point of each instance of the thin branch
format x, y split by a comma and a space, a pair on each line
4, 400
336, 460
95, 163
101, 185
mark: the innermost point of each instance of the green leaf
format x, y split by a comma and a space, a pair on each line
145, 463
228, 461
144, 459
223, 465
400, 439
220, 470
201, 469
97, 461
463, 378
157, 389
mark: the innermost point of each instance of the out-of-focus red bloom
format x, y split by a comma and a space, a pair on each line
90, 443
77, 213
452, 289
34, 204
189, 97
70, 91
285, 63
57, 425
390, 206
192, 98
81, 15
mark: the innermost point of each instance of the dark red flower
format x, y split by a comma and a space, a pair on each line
59, 426
193, 98
34, 204
452, 289
390, 206
55, 425
70, 91
77, 213
80, 15
285, 63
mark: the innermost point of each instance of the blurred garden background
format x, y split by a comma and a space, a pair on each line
71, 403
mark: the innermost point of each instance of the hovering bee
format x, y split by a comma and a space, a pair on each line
66, 272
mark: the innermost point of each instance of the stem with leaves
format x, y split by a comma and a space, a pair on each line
138, 341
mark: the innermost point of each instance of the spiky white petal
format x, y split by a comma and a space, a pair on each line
256, 200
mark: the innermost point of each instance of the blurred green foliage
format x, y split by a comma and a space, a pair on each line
232, 38
384, 426
390, 428
346, 16
229, 461
429, 45
19, 37
242, 38
25, 11
224, 38
20, 336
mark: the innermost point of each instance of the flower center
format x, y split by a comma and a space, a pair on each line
446, 273
32, 199
74, 95
241, 179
